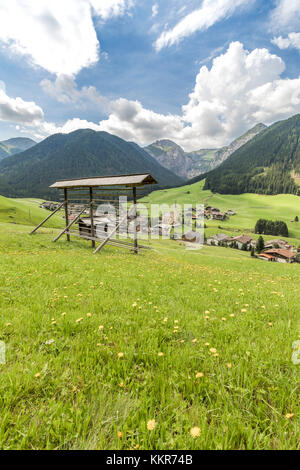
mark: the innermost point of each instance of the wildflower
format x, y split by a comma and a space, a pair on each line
64, 314
232, 315
79, 320
121, 384
229, 365
194, 340
206, 344
89, 315
151, 425
195, 432
53, 322
289, 415
244, 310
270, 323
207, 311
199, 375
120, 355
213, 350
50, 341
160, 354
120, 434
224, 319
101, 327
37, 375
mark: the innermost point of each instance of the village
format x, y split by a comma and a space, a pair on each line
168, 225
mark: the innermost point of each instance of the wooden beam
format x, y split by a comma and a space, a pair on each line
68, 227
135, 222
47, 218
66, 211
110, 235
92, 217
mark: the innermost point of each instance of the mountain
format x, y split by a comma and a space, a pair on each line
13, 146
80, 154
189, 165
268, 164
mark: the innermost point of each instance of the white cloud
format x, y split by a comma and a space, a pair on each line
291, 41
240, 89
64, 89
155, 10
17, 110
210, 13
286, 15
56, 35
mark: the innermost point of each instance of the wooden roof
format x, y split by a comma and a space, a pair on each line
120, 180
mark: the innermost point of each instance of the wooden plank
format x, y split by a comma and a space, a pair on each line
92, 217
47, 218
66, 211
135, 222
68, 227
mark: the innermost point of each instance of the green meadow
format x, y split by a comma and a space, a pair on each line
170, 349
248, 207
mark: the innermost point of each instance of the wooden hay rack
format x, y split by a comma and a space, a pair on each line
83, 196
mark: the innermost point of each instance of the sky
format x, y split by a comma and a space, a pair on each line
199, 72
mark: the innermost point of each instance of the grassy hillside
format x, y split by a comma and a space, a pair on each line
26, 211
249, 207
213, 350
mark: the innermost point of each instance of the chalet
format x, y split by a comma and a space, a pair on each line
49, 206
217, 215
217, 239
279, 244
242, 240
281, 255
192, 237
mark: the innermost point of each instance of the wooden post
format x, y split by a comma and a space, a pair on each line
135, 222
66, 230
66, 212
92, 217
47, 218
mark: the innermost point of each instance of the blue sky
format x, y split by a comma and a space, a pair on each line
199, 72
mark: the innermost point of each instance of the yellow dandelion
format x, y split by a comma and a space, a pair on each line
195, 432
151, 425
53, 322
289, 415
207, 344
101, 327
79, 320
120, 434
207, 311
64, 314
199, 375
224, 319
232, 315
229, 365
37, 375
213, 350
270, 323
88, 315
121, 384
120, 355
244, 310
160, 354
194, 340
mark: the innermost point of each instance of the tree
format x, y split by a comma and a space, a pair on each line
260, 245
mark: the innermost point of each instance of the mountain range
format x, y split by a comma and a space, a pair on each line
267, 164
189, 165
16, 145
80, 154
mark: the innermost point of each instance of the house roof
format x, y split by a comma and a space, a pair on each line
285, 253
264, 255
243, 239
120, 180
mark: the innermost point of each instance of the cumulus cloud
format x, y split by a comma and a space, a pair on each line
210, 13
65, 90
286, 15
56, 35
17, 110
291, 41
240, 89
